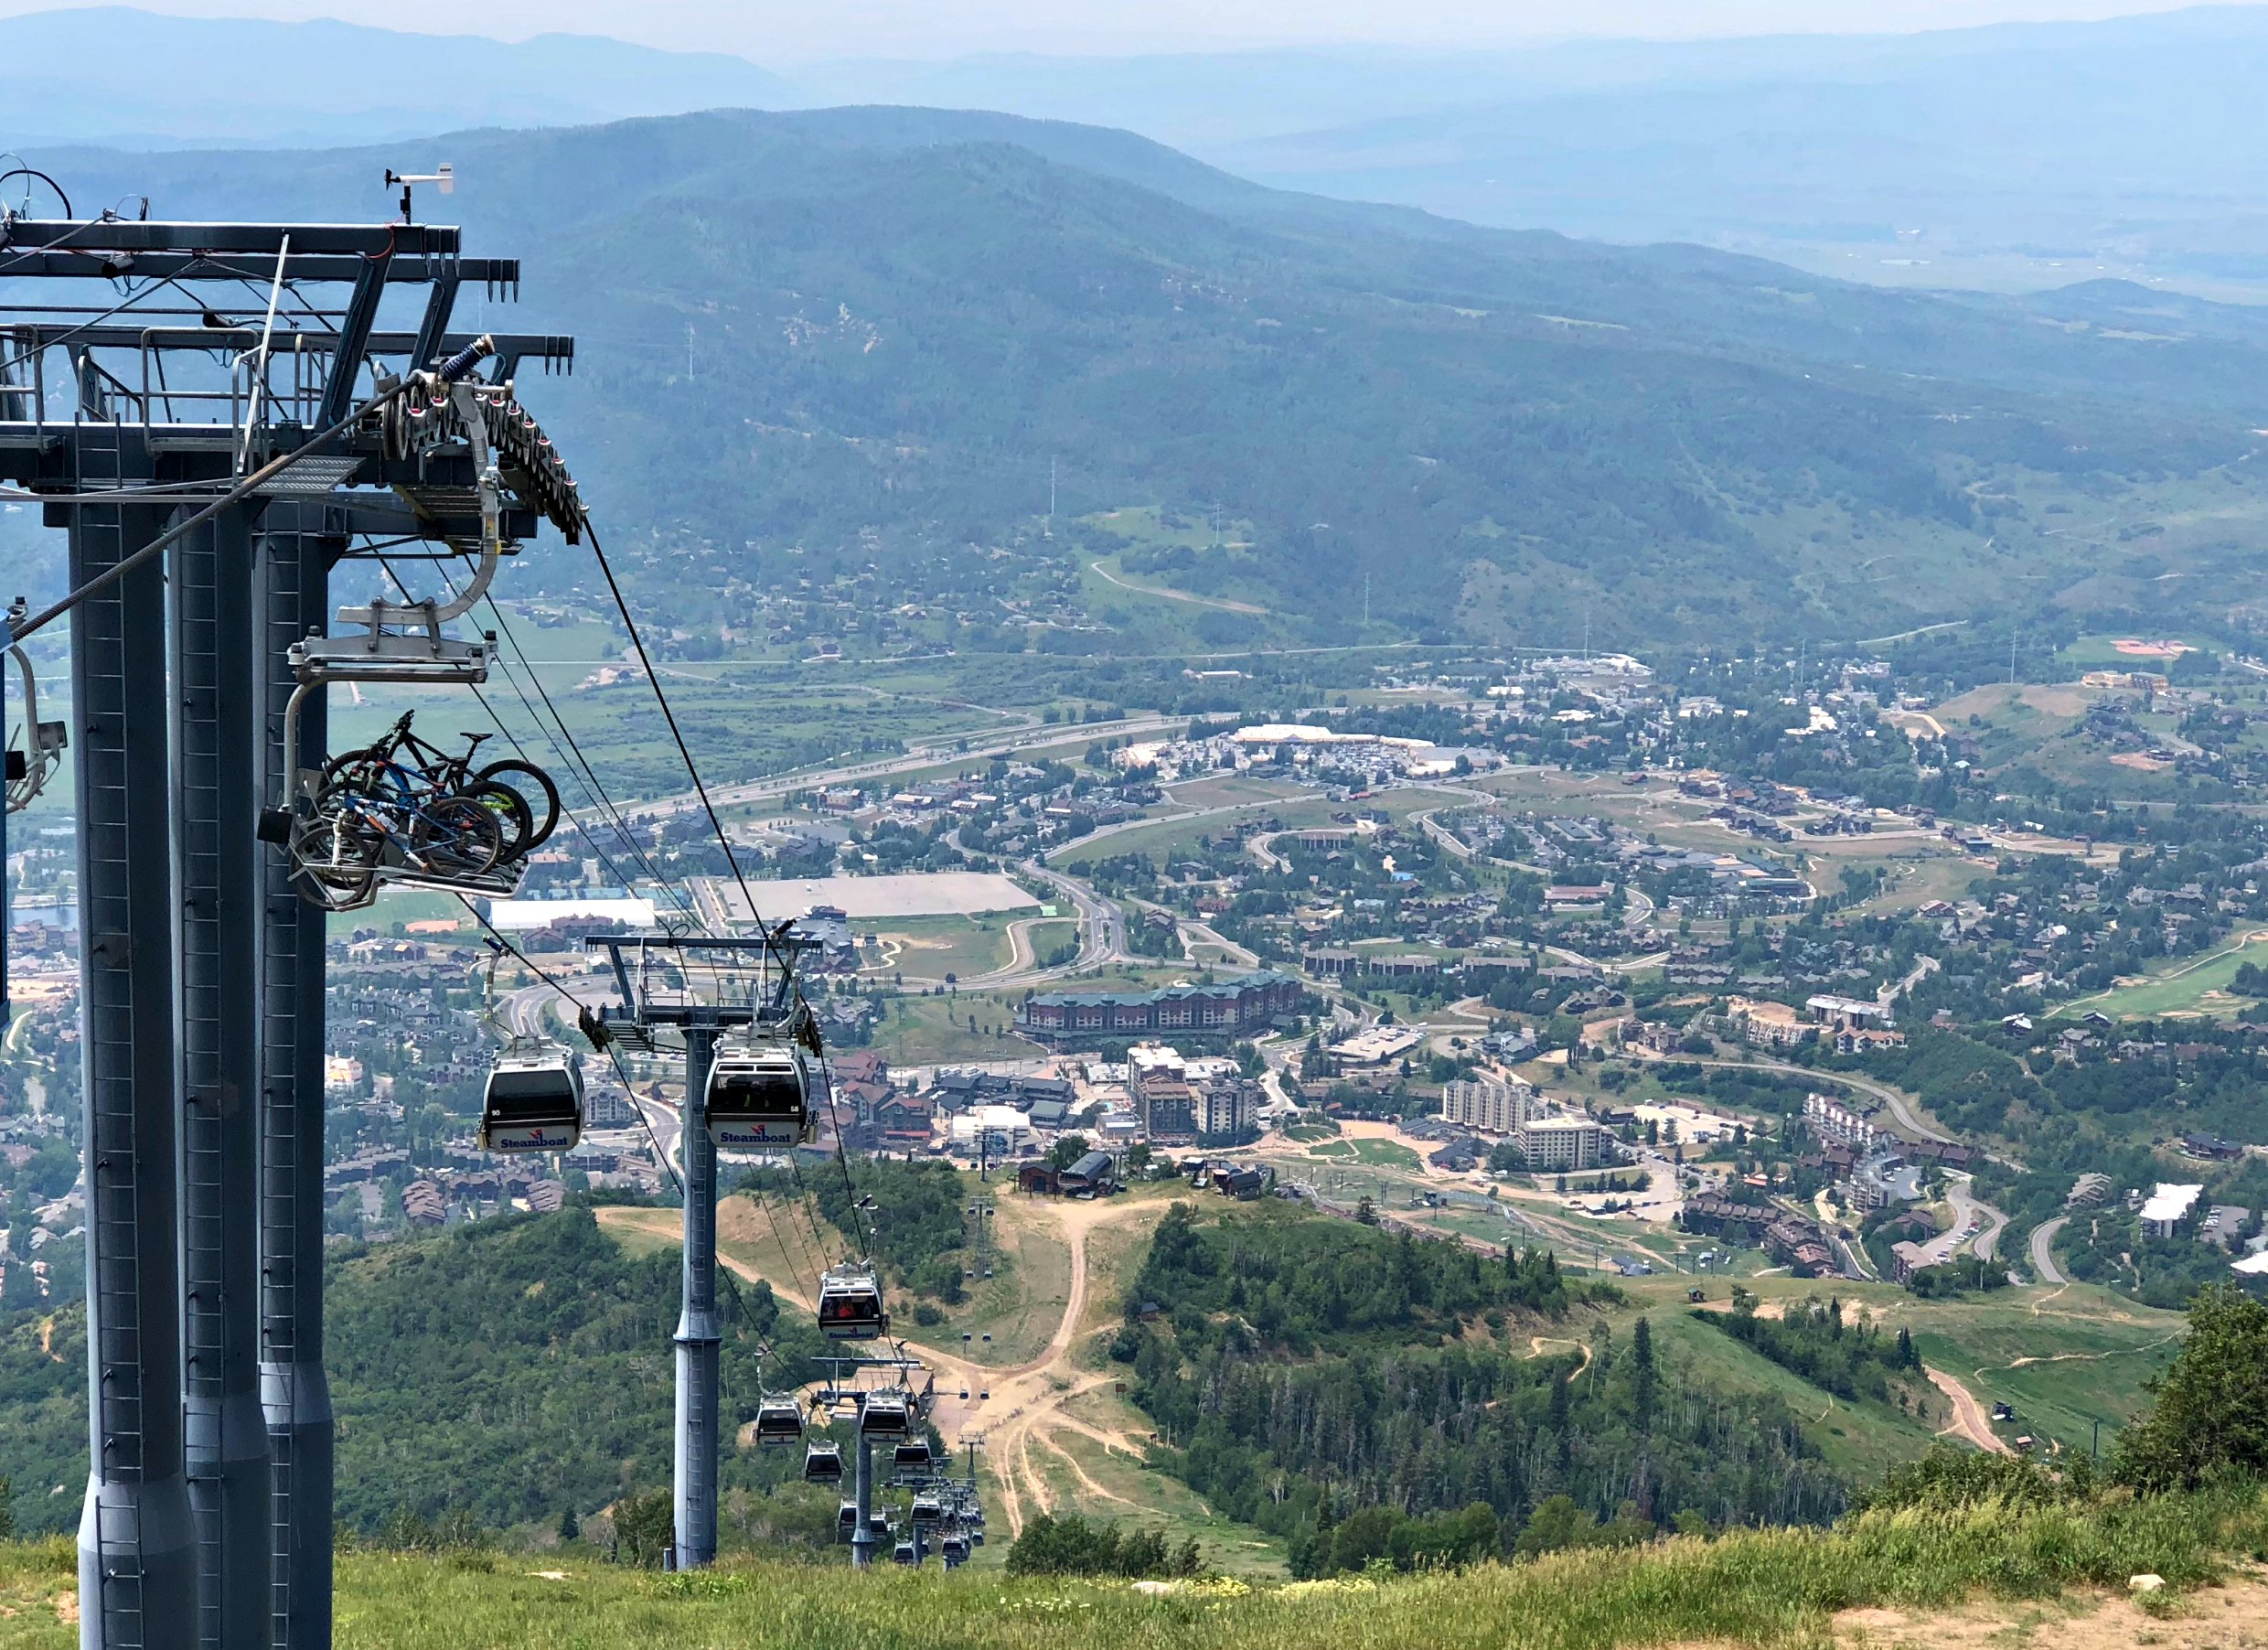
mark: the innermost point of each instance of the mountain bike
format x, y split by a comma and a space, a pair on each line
349, 837
401, 762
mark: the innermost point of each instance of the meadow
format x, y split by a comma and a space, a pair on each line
1761, 1588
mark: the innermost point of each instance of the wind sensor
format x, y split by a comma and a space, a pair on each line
445, 178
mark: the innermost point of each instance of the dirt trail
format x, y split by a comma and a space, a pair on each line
1008, 1407
2214, 1618
1968, 1420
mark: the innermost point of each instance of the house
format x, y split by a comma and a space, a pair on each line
1243, 1183
861, 1066
902, 1119
1092, 1175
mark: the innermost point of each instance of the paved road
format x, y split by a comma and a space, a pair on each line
1968, 1212
1202, 933
1102, 924
1105, 832
2043, 1251
1890, 1096
980, 748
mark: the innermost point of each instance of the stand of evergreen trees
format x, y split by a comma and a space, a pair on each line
1313, 1377
1852, 1360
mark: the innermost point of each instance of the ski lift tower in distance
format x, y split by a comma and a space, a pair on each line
653, 973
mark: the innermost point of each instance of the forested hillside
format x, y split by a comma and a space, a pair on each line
511, 1370
823, 345
1370, 1395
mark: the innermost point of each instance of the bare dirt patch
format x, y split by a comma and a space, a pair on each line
2234, 1617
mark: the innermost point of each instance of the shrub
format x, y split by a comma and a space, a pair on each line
2211, 1415
1069, 1545
643, 1525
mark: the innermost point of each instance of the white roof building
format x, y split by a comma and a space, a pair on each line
2167, 1206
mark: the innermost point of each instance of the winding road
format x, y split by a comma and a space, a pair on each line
2042, 1246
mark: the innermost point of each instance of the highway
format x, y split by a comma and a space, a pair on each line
981, 748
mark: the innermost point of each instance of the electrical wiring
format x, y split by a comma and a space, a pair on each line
701, 788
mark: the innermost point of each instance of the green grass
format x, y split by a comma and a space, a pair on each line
927, 949
2083, 1359
2193, 985
1020, 1305
398, 906
1764, 1588
1378, 1153
923, 1031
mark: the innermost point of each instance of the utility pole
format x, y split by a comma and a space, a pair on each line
1048, 530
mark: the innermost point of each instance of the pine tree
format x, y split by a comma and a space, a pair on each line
1642, 1375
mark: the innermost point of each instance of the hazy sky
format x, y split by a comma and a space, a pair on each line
777, 31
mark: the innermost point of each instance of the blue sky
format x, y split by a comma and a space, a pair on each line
778, 31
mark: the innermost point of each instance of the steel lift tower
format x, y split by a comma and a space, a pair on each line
200, 407
656, 976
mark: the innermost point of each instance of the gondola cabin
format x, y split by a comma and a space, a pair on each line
850, 1306
928, 1509
912, 1452
822, 1463
904, 1553
759, 1095
534, 1100
885, 1414
846, 1514
779, 1421
954, 1550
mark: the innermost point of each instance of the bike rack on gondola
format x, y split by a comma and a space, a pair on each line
447, 414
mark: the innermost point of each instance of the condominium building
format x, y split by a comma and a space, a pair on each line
1555, 1144
1487, 1105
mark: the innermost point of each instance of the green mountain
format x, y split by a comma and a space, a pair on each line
511, 1370
867, 334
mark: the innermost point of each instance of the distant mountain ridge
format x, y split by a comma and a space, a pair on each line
178, 82
2011, 156
899, 318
